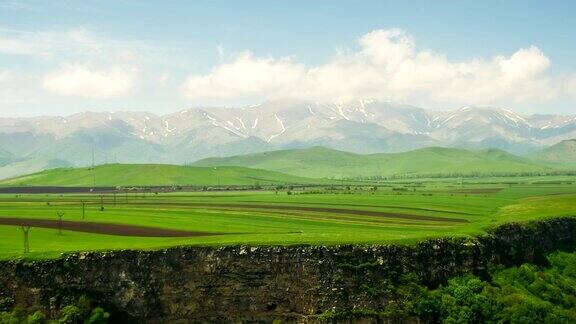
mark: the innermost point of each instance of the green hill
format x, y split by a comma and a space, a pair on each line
562, 154
153, 175
320, 162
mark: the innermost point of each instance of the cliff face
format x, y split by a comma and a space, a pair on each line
242, 283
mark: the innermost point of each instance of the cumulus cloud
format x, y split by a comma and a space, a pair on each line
75, 61
84, 81
388, 66
66, 44
570, 86
246, 75
220, 50
4, 76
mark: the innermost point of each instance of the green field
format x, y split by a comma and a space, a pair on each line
320, 162
401, 212
111, 175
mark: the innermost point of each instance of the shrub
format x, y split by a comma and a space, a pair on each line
36, 318
98, 316
70, 315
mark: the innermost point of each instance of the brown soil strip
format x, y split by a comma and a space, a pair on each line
319, 210
371, 221
351, 212
102, 228
373, 206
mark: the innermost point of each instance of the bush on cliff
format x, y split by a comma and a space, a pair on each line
70, 314
525, 294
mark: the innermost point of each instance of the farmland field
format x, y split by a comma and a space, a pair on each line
401, 212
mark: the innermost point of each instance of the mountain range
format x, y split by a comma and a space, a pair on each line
362, 126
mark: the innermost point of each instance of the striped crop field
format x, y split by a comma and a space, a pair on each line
399, 212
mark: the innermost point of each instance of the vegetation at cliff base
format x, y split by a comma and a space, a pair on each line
82, 310
525, 294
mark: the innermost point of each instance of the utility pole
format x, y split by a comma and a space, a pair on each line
60, 214
25, 230
83, 202
217, 176
101, 202
93, 169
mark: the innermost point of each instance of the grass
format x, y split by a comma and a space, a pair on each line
319, 162
153, 175
309, 215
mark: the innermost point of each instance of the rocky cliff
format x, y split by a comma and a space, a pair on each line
267, 283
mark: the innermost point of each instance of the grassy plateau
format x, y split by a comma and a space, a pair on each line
399, 212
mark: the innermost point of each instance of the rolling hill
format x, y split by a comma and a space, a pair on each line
153, 175
361, 126
562, 154
320, 162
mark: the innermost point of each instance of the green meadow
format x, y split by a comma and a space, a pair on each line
384, 212
321, 162
111, 175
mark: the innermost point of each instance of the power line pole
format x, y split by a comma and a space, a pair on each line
25, 230
60, 214
217, 176
83, 202
93, 169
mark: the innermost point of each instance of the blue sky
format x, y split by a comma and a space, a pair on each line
61, 57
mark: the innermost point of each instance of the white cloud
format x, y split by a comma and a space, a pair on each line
84, 81
76, 42
387, 66
4, 76
163, 79
59, 52
570, 86
220, 50
245, 76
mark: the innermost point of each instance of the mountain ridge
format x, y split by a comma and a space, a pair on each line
360, 126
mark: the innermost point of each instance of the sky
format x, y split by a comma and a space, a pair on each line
63, 57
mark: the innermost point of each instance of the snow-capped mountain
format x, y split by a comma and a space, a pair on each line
362, 126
